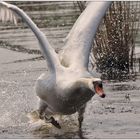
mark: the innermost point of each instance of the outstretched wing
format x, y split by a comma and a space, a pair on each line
9, 12
79, 41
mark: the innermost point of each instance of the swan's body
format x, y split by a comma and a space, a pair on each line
69, 85
65, 94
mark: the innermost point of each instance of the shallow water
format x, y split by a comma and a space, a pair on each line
116, 116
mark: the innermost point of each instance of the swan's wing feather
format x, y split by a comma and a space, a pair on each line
79, 41
9, 12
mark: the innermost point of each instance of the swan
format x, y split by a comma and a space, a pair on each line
68, 85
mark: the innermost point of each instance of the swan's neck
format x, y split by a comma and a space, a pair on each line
47, 51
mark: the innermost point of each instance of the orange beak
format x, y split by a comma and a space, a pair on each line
99, 91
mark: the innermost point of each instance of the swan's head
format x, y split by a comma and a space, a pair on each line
87, 87
98, 87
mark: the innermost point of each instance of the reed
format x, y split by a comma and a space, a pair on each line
114, 44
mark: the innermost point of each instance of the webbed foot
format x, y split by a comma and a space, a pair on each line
52, 121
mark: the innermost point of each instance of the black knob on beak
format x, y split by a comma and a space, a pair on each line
103, 96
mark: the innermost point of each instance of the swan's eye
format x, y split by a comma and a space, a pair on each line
98, 83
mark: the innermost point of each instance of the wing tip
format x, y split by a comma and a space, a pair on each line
6, 14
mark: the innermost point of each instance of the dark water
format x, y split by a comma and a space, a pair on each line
116, 116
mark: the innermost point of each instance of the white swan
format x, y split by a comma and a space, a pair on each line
69, 85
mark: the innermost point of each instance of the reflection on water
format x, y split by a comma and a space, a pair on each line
125, 86
26, 60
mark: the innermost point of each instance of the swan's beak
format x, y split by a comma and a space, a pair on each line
99, 90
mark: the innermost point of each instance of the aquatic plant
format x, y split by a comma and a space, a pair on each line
114, 45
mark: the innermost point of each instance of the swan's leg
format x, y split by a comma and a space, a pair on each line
49, 119
52, 121
81, 116
42, 108
44, 114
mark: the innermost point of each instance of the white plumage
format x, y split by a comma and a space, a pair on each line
69, 85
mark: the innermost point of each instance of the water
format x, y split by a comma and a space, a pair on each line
116, 116
113, 117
